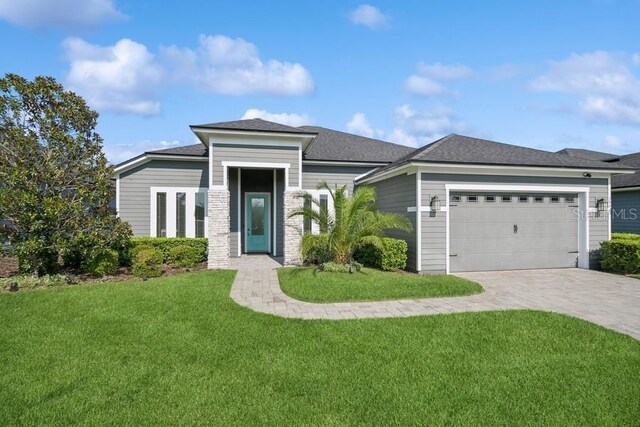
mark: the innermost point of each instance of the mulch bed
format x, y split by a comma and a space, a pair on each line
8, 266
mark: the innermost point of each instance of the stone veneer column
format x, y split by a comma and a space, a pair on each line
218, 251
293, 228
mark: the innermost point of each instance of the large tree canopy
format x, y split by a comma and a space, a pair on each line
55, 182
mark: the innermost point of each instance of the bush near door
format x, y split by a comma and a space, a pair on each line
165, 244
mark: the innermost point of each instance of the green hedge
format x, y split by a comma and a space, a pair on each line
147, 263
183, 256
165, 244
392, 257
621, 254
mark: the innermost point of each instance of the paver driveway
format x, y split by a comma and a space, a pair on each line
606, 299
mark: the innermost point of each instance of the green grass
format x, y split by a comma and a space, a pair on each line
310, 284
177, 350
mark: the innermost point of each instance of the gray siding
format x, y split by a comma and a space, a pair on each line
135, 187
434, 224
625, 211
255, 153
396, 195
312, 175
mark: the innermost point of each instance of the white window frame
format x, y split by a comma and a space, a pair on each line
315, 194
190, 192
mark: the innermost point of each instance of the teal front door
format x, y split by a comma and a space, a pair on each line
257, 222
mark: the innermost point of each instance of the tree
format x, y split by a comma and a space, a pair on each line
355, 220
55, 183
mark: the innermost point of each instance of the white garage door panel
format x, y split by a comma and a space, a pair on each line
482, 235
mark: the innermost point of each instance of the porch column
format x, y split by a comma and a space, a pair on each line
218, 209
293, 228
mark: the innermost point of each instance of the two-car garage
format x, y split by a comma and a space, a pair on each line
508, 231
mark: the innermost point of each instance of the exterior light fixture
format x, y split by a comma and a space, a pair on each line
435, 204
602, 205
586, 175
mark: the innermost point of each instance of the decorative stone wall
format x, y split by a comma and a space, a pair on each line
218, 208
293, 229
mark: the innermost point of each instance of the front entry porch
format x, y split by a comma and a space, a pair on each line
250, 217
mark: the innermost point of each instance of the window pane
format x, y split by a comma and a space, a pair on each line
201, 208
257, 217
307, 221
324, 208
161, 214
181, 217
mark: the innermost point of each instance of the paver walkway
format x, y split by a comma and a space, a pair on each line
606, 299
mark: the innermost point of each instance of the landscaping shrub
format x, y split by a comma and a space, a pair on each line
103, 262
164, 245
182, 256
621, 255
393, 255
147, 263
315, 249
136, 249
334, 267
32, 281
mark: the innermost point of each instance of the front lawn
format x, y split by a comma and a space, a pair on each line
313, 285
178, 350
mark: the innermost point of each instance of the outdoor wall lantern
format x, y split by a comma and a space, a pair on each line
435, 204
601, 205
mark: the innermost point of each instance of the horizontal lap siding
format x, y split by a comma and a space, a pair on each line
135, 188
396, 195
255, 153
312, 175
625, 211
434, 225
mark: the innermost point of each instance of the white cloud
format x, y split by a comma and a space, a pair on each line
607, 88
289, 119
614, 143
369, 16
505, 71
412, 127
120, 78
117, 153
359, 125
429, 78
59, 13
229, 66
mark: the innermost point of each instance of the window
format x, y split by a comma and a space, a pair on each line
555, 199
178, 212
538, 199
181, 214
569, 199
307, 221
324, 209
455, 198
490, 199
161, 214
322, 202
523, 199
472, 199
506, 199
201, 207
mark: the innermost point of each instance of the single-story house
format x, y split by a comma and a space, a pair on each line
625, 189
474, 204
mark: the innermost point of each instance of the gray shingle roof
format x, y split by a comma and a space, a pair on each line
459, 149
254, 125
588, 154
341, 146
187, 150
633, 180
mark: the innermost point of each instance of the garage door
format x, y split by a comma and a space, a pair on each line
497, 231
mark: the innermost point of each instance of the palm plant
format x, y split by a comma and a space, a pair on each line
355, 219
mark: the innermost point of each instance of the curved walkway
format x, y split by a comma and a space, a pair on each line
608, 300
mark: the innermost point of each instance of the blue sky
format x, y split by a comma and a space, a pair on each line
544, 74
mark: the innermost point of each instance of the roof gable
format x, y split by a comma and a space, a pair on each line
257, 125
